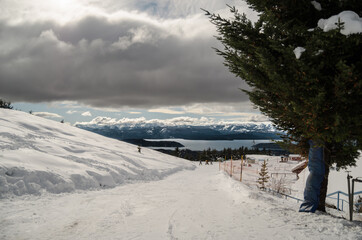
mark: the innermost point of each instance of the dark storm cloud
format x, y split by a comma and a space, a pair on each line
113, 62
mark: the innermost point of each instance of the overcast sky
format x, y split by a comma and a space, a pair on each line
130, 57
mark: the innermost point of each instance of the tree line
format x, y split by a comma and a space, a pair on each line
213, 154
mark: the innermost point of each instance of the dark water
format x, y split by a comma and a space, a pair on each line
199, 145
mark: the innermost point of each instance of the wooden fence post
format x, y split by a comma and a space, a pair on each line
241, 168
231, 167
224, 163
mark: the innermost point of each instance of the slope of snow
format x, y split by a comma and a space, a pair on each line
200, 204
38, 155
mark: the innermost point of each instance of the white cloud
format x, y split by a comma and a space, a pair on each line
135, 113
178, 121
65, 104
87, 114
252, 118
215, 109
166, 111
71, 112
47, 115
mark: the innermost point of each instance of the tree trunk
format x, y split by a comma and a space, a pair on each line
313, 187
324, 185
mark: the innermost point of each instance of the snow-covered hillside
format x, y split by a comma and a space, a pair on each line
38, 155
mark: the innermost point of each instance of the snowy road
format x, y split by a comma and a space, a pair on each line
200, 204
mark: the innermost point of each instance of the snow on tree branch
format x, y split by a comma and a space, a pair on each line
352, 23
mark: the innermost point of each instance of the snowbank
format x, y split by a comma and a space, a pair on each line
38, 155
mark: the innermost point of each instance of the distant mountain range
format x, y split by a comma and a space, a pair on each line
162, 131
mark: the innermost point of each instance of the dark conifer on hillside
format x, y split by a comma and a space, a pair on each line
177, 152
5, 104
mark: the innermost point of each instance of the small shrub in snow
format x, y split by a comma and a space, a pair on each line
359, 207
279, 185
264, 177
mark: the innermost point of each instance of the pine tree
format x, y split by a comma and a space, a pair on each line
263, 175
316, 96
214, 154
177, 152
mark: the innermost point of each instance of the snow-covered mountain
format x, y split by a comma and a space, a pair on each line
38, 155
184, 127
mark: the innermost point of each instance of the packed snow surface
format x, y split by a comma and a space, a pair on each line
39, 155
200, 204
